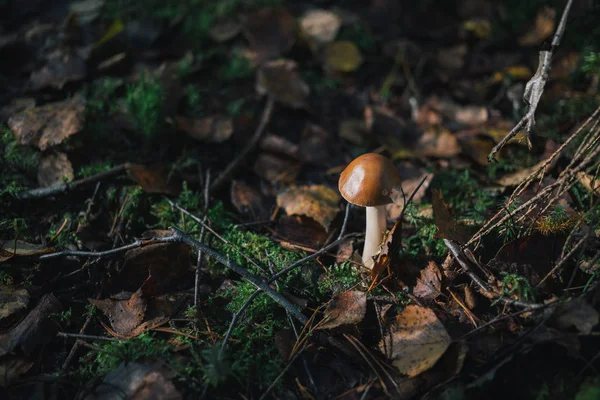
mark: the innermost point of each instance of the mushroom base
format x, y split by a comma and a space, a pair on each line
376, 227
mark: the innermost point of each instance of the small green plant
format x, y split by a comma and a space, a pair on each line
516, 285
589, 389
238, 67
168, 216
591, 62
18, 163
424, 236
145, 101
64, 317
557, 221
94, 168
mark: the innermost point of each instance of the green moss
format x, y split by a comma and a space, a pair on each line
589, 389
339, 278
238, 67
144, 101
17, 162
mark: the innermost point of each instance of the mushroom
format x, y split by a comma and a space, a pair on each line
368, 182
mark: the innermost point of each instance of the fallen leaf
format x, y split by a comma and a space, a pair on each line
13, 248
300, 231
345, 250
16, 106
444, 220
470, 115
452, 58
248, 200
34, 330
437, 142
50, 124
276, 169
343, 56
11, 368
320, 27
417, 340
318, 202
225, 29
515, 178
353, 130
271, 32
153, 179
542, 30
137, 381
345, 309
429, 284
54, 168
280, 145
138, 330
166, 262
281, 80
125, 311
589, 182
576, 313
12, 300
214, 129
60, 69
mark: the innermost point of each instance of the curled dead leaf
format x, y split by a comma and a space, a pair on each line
429, 284
417, 340
318, 202
281, 80
125, 312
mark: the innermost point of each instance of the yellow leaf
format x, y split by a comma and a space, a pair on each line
417, 340
113, 30
343, 56
481, 28
519, 72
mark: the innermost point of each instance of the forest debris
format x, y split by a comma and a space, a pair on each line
153, 179
318, 202
515, 178
320, 27
281, 80
353, 130
417, 340
12, 248
48, 125
452, 58
137, 381
300, 233
248, 200
411, 177
429, 284
280, 145
444, 219
34, 330
470, 115
545, 21
12, 300
125, 311
225, 29
436, 142
589, 182
271, 32
11, 368
343, 56
60, 69
54, 168
276, 169
345, 309
576, 313
213, 129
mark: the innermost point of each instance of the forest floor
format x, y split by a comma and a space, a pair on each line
171, 225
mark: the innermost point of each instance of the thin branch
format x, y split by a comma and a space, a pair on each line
87, 337
264, 120
107, 253
535, 87
483, 286
201, 237
65, 187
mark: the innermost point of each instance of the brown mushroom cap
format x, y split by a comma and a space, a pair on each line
368, 180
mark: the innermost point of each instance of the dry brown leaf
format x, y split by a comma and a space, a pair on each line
125, 312
153, 179
429, 284
54, 168
515, 178
436, 142
542, 30
343, 56
271, 32
318, 202
60, 69
50, 124
345, 309
12, 300
223, 30
417, 340
590, 182
34, 330
300, 231
470, 115
276, 169
444, 219
320, 27
576, 313
281, 80
248, 200
280, 145
353, 130
13, 248
215, 129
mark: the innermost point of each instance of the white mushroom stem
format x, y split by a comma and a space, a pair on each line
376, 227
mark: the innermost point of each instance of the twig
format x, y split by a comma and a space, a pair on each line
483, 286
87, 337
65, 187
535, 87
117, 250
201, 237
264, 120
561, 263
